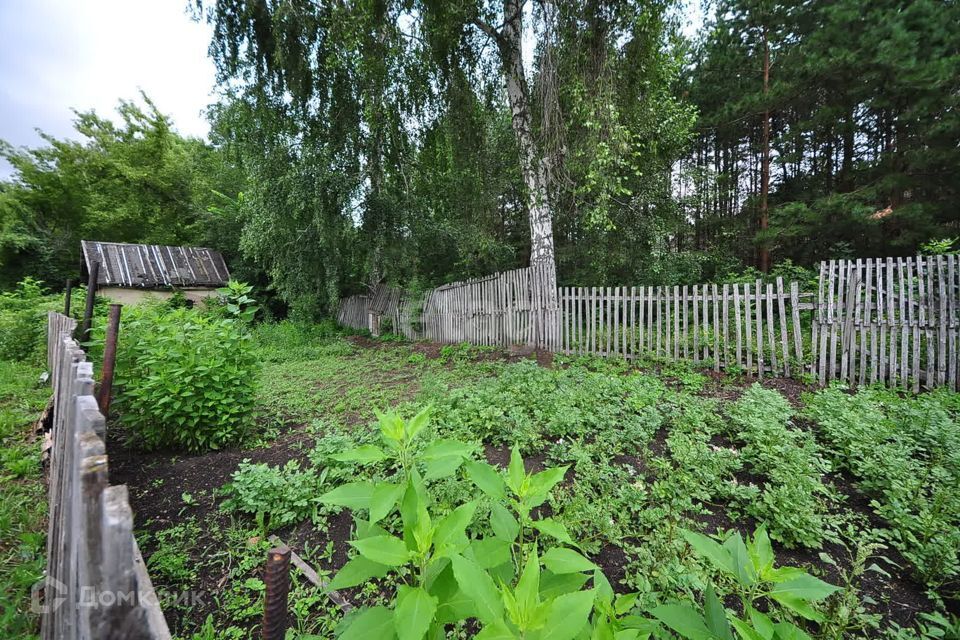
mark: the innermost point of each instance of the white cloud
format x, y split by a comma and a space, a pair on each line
88, 54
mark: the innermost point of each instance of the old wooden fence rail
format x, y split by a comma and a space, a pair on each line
96, 585
754, 327
890, 320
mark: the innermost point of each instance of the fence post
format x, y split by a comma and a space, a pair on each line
109, 359
276, 578
66, 297
91, 294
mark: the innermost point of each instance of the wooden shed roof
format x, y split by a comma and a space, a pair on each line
154, 266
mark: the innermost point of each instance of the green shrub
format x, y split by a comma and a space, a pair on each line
23, 320
276, 496
187, 380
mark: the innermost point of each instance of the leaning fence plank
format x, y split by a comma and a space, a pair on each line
748, 326
771, 329
795, 318
782, 308
726, 332
941, 323
759, 319
738, 331
696, 323
952, 292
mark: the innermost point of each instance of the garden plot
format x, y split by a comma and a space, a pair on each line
860, 491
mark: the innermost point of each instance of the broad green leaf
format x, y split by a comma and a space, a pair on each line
709, 549
797, 605
386, 550
541, 484
450, 530
554, 529
487, 479
496, 631
553, 585
561, 560
375, 623
384, 498
391, 427
761, 623
476, 584
357, 571
442, 467
504, 525
354, 495
602, 586
805, 587
414, 613
366, 454
416, 424
761, 551
515, 471
740, 559
445, 448
683, 619
490, 552
788, 631
715, 615
528, 587
745, 631
567, 616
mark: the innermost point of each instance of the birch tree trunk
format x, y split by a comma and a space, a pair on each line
532, 162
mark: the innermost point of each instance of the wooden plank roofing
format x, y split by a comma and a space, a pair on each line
153, 266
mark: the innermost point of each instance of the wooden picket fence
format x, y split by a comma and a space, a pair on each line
513, 307
96, 584
756, 327
890, 320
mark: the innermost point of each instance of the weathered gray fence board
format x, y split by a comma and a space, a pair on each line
92, 556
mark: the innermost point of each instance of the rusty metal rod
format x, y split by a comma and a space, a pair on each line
66, 297
91, 294
109, 359
276, 577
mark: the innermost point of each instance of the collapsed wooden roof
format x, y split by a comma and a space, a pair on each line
154, 266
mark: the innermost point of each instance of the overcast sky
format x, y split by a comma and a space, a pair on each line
88, 54
58, 55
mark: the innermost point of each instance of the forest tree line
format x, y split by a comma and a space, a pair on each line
416, 143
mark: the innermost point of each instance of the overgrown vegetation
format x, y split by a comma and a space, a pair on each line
188, 378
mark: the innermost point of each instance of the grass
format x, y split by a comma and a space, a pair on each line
23, 504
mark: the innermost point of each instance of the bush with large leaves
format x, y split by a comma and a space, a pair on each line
187, 379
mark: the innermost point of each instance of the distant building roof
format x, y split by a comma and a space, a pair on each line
153, 266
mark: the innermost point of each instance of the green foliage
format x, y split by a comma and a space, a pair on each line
187, 380
172, 562
792, 500
529, 405
237, 302
23, 503
501, 581
904, 452
132, 181
23, 320
275, 496
764, 590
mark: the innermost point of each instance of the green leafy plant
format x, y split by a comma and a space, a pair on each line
905, 451
748, 568
237, 301
275, 496
187, 380
445, 575
792, 501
